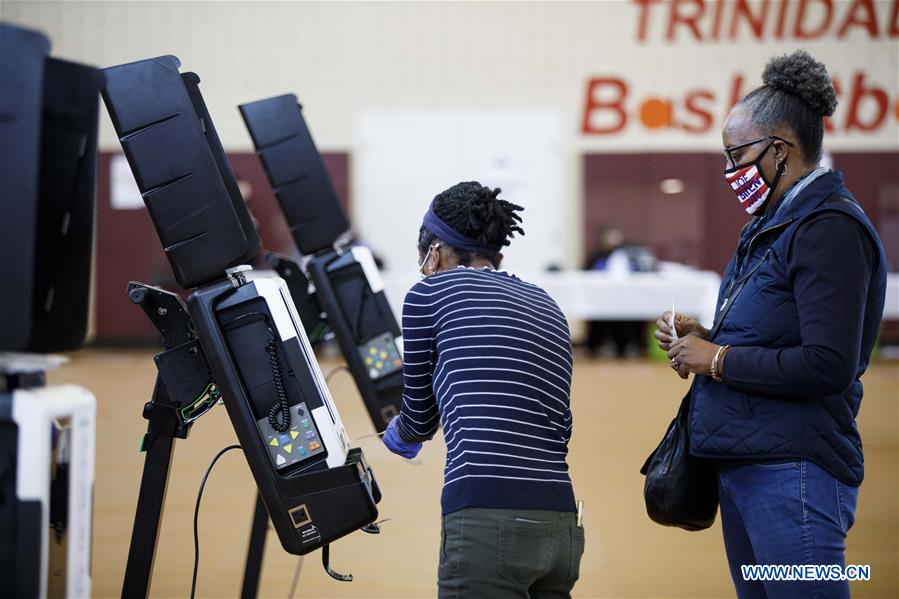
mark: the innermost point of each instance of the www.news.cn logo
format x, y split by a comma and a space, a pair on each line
806, 572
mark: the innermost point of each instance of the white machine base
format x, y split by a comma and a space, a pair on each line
56, 425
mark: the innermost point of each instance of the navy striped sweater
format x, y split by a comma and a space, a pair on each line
488, 357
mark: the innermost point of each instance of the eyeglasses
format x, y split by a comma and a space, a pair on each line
728, 151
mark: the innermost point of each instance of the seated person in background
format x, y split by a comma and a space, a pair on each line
614, 256
488, 357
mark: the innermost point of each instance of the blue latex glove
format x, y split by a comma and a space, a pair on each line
395, 443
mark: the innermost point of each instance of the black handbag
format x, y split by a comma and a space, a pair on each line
680, 490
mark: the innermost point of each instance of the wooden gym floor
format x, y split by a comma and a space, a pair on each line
620, 411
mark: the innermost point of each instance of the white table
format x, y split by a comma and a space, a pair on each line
584, 295
891, 309
636, 296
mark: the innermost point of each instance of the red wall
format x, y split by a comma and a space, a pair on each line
127, 248
697, 227
873, 178
700, 226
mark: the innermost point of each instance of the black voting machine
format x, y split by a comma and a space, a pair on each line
347, 284
239, 338
48, 139
48, 150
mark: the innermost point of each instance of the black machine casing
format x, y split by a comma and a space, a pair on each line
313, 501
48, 147
315, 488
347, 283
296, 172
20, 550
180, 168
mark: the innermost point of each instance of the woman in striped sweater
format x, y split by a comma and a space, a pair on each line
488, 357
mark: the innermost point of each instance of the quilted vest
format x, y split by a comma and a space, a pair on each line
757, 308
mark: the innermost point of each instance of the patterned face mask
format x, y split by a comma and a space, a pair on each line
749, 182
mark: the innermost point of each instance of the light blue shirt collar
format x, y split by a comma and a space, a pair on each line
799, 186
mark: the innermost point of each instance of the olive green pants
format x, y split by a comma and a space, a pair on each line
494, 554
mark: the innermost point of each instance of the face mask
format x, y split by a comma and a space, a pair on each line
749, 183
421, 272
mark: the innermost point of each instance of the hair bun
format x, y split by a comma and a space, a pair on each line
801, 75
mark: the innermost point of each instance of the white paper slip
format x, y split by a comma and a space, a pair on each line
671, 324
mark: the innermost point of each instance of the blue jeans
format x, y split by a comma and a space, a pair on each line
792, 513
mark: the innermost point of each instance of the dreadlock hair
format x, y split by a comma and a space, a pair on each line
796, 93
473, 210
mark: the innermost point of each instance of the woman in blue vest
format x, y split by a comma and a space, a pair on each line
777, 386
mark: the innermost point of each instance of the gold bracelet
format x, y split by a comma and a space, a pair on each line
716, 376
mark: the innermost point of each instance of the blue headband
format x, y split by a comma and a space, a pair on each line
442, 230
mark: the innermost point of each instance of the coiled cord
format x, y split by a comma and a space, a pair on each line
281, 408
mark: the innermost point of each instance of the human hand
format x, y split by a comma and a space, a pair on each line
692, 354
684, 325
395, 443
